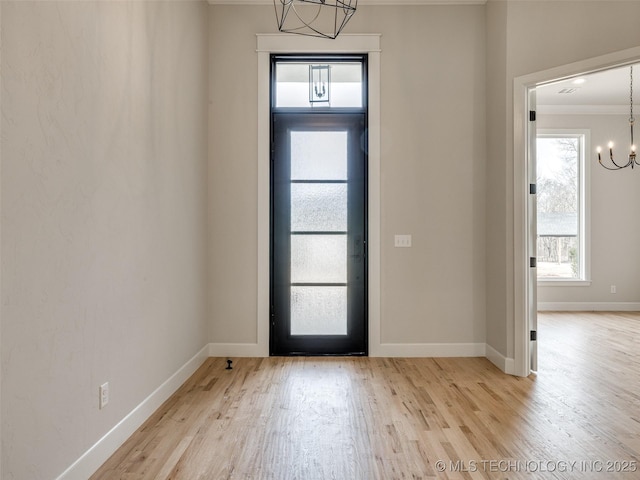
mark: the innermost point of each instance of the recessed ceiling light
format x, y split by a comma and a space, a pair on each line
579, 81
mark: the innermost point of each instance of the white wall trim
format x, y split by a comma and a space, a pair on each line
287, 43
384, 350
521, 87
93, 458
345, 43
589, 306
264, 187
503, 363
583, 109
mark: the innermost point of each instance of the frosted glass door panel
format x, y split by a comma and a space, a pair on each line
318, 259
318, 155
319, 207
318, 310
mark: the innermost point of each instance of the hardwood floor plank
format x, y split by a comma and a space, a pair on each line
404, 418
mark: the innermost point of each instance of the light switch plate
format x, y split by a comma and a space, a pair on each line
403, 241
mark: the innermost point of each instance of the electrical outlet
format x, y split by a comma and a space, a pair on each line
613, 289
104, 395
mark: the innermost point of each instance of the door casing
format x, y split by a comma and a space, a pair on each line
267, 44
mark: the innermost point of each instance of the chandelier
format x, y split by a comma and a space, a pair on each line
632, 161
316, 18
319, 83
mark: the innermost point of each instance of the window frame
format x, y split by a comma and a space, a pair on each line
584, 207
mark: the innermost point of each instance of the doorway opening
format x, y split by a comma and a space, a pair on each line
527, 99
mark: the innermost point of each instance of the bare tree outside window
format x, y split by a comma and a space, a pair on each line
558, 206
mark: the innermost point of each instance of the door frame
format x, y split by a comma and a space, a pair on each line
522, 299
268, 44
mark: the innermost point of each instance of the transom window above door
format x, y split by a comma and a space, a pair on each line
325, 83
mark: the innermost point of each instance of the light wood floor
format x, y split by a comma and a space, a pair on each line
377, 418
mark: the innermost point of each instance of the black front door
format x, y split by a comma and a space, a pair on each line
319, 236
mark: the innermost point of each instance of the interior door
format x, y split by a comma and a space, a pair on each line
533, 234
318, 239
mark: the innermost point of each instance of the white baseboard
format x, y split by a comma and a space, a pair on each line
426, 350
429, 350
507, 365
589, 306
93, 458
382, 350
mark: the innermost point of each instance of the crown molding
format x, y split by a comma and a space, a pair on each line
583, 109
361, 2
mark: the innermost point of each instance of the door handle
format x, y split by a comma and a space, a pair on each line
358, 248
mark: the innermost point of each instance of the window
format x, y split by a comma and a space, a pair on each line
326, 82
561, 206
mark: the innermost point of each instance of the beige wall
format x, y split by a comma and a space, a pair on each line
432, 170
103, 217
498, 283
538, 36
614, 223
233, 180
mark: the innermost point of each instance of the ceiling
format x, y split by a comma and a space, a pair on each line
602, 92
